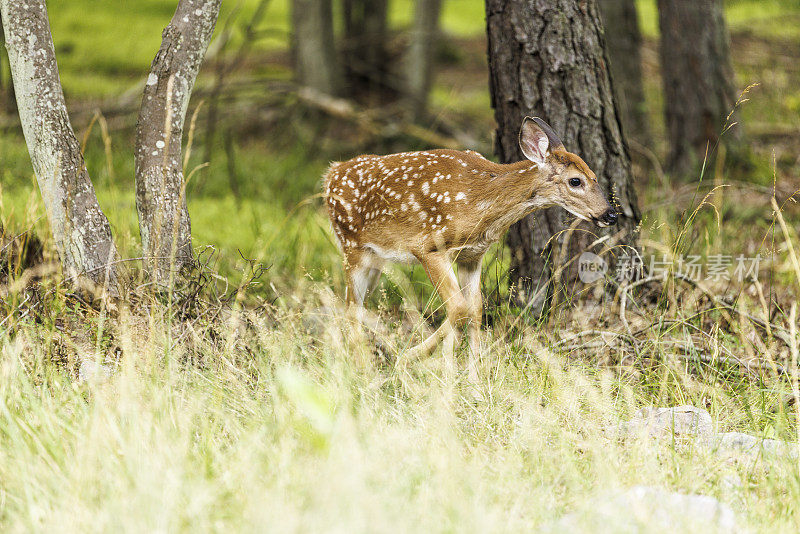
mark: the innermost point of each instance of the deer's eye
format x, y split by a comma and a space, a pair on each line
575, 182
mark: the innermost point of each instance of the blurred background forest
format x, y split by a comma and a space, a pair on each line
267, 137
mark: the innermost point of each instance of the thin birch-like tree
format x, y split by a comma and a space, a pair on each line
160, 185
80, 230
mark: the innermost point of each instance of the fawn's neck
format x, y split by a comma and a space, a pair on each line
510, 187
504, 195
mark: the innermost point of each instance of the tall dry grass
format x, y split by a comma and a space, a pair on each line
282, 420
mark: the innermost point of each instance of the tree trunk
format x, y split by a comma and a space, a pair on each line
8, 102
624, 47
80, 229
698, 78
365, 54
315, 61
547, 59
420, 57
160, 186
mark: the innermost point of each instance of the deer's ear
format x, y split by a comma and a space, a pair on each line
533, 141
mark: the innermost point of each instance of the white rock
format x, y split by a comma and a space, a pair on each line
679, 421
649, 509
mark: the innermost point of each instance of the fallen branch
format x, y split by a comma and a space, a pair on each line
345, 109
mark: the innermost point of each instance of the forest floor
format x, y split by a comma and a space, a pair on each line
246, 402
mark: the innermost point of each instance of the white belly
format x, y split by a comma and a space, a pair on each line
396, 256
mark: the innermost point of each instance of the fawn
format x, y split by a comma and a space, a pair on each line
443, 206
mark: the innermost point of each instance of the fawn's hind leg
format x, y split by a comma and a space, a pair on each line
363, 274
469, 278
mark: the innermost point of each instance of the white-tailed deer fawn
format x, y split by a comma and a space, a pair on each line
444, 206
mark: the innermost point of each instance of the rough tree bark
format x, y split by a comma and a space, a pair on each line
547, 59
698, 78
420, 56
315, 61
160, 187
80, 229
624, 47
364, 50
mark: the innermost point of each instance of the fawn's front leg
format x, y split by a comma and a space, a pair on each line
440, 271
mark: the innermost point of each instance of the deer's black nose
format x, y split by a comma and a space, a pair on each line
610, 217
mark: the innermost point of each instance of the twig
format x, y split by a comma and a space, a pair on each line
624, 298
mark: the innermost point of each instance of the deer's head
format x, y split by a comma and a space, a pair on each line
566, 179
